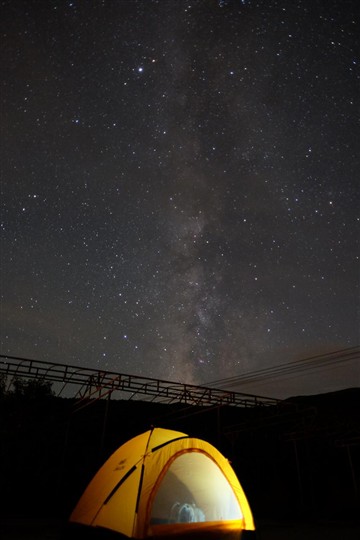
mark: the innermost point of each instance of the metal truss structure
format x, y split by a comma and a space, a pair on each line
98, 384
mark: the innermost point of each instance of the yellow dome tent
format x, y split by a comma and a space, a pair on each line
164, 483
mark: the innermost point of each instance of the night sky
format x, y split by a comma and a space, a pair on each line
180, 186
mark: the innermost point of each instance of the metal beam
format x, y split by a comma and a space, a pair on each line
97, 384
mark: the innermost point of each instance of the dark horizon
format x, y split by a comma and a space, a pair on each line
109, 383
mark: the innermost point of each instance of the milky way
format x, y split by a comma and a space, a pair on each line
180, 184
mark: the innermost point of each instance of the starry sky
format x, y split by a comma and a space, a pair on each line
180, 186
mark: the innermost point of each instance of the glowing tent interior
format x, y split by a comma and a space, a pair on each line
164, 483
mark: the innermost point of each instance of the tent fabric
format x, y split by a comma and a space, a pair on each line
165, 483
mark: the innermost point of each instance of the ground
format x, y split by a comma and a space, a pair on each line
47, 529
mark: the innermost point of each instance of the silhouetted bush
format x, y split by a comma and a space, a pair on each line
31, 389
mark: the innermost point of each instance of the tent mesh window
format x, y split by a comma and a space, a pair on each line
193, 490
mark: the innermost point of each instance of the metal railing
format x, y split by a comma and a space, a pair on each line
97, 384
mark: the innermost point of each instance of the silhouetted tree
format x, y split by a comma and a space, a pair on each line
32, 389
2, 385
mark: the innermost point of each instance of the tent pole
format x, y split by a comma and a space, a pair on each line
353, 476
301, 497
218, 424
106, 413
